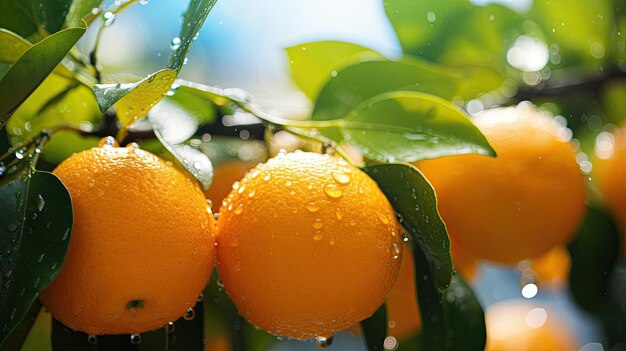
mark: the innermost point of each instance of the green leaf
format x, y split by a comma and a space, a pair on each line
417, 22
362, 81
35, 227
29, 71
81, 10
25, 17
173, 126
13, 46
413, 198
194, 17
49, 14
594, 252
16, 339
15, 17
452, 318
581, 29
134, 100
313, 64
57, 101
458, 33
408, 126
375, 329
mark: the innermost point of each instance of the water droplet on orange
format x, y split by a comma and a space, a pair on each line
333, 191
108, 142
339, 213
318, 223
312, 206
317, 236
341, 177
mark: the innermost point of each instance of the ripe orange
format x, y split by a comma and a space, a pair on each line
403, 311
609, 171
224, 176
520, 204
552, 268
520, 325
142, 243
307, 245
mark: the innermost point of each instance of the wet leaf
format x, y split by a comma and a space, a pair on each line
375, 329
13, 46
57, 101
313, 64
362, 81
452, 318
408, 126
82, 10
29, 71
134, 100
594, 252
173, 126
35, 227
581, 29
413, 198
194, 17
16, 339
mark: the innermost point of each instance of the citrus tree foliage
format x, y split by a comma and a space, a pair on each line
457, 57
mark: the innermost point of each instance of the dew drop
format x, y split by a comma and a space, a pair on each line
318, 223
251, 193
175, 43
241, 189
169, 327
317, 236
312, 206
144, 2
19, 154
92, 339
189, 314
40, 202
238, 209
322, 342
108, 142
108, 18
135, 339
396, 251
339, 213
235, 185
341, 177
266, 177
333, 191
383, 217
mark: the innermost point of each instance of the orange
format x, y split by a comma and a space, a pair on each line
517, 325
225, 174
307, 245
552, 268
403, 313
141, 249
609, 172
520, 204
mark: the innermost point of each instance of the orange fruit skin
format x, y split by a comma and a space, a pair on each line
552, 268
299, 262
518, 205
224, 176
141, 232
521, 326
403, 313
609, 173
